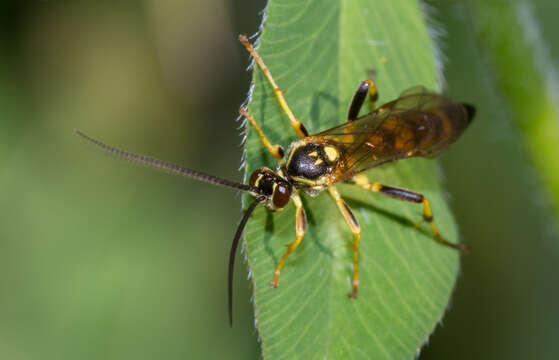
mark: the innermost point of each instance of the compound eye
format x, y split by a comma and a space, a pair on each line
255, 175
281, 195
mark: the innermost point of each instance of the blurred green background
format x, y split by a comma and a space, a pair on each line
104, 260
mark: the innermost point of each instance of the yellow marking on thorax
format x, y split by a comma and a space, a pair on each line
303, 181
313, 154
331, 153
318, 162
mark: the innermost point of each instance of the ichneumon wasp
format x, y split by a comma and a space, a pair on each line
417, 123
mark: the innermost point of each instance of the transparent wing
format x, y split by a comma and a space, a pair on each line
418, 123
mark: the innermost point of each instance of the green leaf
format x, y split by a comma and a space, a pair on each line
318, 52
525, 77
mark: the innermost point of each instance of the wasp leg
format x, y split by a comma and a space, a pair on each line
366, 87
300, 226
295, 124
275, 150
407, 195
356, 230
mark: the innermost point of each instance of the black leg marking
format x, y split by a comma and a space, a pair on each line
366, 87
407, 195
358, 100
401, 194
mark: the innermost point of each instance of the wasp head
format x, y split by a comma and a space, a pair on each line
276, 189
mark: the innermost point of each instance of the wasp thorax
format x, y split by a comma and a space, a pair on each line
270, 184
311, 161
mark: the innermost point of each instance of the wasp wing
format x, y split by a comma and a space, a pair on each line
418, 123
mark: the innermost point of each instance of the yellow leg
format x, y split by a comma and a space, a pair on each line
300, 226
295, 124
275, 150
407, 195
356, 230
373, 92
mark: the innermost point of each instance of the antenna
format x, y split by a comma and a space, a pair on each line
236, 239
166, 166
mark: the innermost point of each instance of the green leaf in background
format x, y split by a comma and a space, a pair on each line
505, 304
318, 52
525, 77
